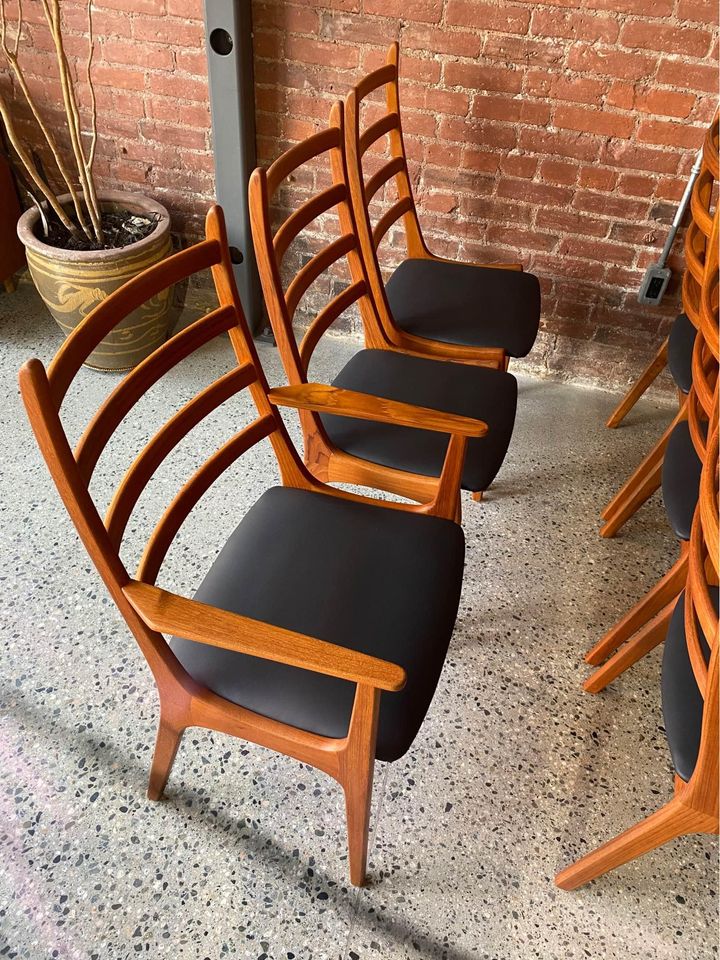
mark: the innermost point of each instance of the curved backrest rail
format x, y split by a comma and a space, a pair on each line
404, 205
695, 248
132, 295
327, 315
391, 169
165, 440
309, 273
138, 381
378, 78
188, 496
295, 157
386, 123
700, 200
708, 501
304, 215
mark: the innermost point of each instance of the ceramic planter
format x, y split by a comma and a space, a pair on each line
73, 282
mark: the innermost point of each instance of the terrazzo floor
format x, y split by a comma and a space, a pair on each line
515, 771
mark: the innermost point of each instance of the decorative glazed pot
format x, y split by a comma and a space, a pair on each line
73, 282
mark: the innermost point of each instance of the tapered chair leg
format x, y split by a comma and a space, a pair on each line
673, 820
649, 374
477, 495
645, 468
664, 591
643, 642
357, 764
636, 498
166, 748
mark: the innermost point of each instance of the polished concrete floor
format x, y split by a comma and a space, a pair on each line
515, 772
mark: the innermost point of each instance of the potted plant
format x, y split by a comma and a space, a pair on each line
82, 243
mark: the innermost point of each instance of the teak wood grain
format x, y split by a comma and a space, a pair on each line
150, 611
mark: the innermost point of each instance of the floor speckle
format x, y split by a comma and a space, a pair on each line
515, 772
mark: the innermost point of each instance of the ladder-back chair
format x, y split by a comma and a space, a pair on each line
647, 477
472, 313
690, 677
388, 457
645, 625
320, 600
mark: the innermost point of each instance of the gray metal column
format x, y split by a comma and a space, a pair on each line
228, 32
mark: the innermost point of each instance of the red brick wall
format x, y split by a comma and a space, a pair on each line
536, 131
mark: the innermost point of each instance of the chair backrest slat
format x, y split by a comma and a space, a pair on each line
404, 205
165, 440
301, 153
337, 306
304, 216
132, 295
378, 78
198, 484
381, 127
138, 381
379, 179
315, 267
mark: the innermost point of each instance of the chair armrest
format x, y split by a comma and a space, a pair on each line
323, 398
170, 613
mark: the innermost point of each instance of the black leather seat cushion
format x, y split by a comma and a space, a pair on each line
681, 699
490, 395
372, 579
681, 480
464, 304
680, 350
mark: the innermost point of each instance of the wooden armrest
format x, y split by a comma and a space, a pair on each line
323, 398
170, 613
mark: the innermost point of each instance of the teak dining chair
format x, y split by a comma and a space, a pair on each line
473, 313
690, 678
645, 625
647, 477
386, 456
321, 628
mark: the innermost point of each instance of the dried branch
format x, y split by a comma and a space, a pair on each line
52, 14
32, 170
12, 57
91, 88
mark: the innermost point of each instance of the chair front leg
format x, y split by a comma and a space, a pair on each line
357, 764
169, 735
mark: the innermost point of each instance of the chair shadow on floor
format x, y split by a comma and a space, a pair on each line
119, 768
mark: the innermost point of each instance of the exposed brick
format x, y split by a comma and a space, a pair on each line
556, 133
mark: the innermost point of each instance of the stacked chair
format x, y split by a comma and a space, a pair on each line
690, 669
677, 351
680, 454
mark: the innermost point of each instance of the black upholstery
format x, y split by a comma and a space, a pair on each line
369, 578
681, 480
681, 699
490, 395
464, 304
680, 349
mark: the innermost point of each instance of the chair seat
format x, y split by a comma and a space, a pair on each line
490, 395
681, 699
464, 304
372, 579
680, 350
681, 480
